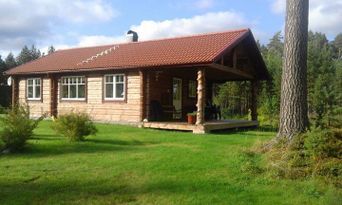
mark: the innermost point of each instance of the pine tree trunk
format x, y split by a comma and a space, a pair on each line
293, 107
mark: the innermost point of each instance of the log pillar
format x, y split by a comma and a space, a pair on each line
142, 96
15, 90
200, 96
147, 94
53, 96
254, 99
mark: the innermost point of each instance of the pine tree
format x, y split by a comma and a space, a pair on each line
2, 69
35, 53
321, 74
276, 45
10, 61
336, 114
318, 104
269, 97
2, 64
51, 49
338, 45
4, 90
27, 55
293, 104
24, 55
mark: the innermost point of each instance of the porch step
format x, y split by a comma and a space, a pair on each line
205, 128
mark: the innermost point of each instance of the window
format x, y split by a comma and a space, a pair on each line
33, 89
114, 87
192, 89
73, 88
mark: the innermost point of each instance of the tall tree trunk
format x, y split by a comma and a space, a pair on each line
293, 107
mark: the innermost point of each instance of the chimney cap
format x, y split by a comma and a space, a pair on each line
134, 35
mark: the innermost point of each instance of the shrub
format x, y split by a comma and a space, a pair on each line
324, 143
2, 110
316, 153
17, 127
74, 126
325, 150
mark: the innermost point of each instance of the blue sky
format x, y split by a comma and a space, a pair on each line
67, 23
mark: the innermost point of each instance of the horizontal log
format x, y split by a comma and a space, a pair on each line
232, 70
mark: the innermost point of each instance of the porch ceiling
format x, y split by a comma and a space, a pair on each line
214, 72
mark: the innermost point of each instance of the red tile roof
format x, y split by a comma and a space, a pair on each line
190, 50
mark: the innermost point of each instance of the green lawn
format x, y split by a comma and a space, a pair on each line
125, 165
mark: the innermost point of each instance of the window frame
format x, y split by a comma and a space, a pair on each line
34, 85
114, 99
77, 84
195, 87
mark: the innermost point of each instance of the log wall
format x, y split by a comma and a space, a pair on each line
37, 107
157, 86
127, 111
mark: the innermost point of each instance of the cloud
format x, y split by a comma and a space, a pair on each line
149, 29
99, 40
278, 6
33, 21
324, 15
204, 4
209, 22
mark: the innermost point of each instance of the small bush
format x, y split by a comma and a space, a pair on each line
74, 126
2, 110
17, 127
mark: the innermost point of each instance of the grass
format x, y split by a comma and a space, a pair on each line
125, 165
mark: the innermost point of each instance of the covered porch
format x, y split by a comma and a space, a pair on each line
169, 98
169, 94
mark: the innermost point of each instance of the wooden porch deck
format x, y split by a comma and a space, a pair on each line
205, 128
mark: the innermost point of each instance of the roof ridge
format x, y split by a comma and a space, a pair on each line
161, 39
193, 35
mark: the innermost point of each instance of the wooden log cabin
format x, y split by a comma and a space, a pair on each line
146, 83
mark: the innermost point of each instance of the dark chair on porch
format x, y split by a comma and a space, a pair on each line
212, 112
156, 111
159, 112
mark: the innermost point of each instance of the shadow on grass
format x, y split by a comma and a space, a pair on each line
47, 137
267, 128
233, 131
116, 190
118, 142
245, 130
47, 145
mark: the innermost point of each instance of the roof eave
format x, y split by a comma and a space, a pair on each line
201, 64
